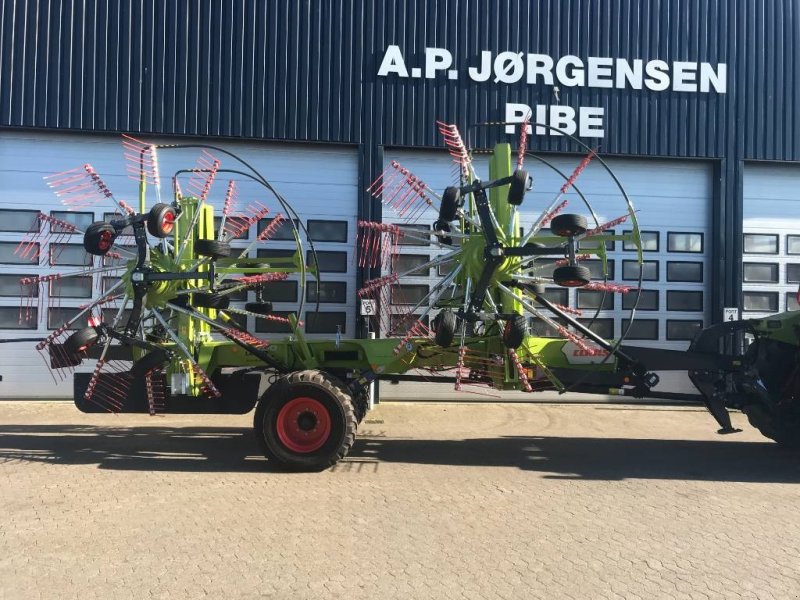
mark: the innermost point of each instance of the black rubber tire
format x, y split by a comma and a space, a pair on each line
361, 404
451, 200
161, 220
568, 225
260, 308
569, 276
785, 430
148, 362
318, 386
212, 248
444, 327
80, 341
99, 237
210, 300
440, 225
518, 187
514, 332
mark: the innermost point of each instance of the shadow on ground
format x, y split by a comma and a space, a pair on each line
234, 449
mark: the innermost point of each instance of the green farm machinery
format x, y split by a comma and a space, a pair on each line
166, 339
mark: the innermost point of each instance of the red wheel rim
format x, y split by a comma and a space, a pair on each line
303, 425
168, 222
573, 283
104, 243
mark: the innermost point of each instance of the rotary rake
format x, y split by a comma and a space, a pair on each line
165, 338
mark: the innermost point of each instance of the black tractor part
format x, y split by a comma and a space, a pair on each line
451, 202
444, 327
305, 421
572, 276
514, 332
568, 225
260, 308
212, 248
210, 300
98, 238
518, 186
161, 220
440, 225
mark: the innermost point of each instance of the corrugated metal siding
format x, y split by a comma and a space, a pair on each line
278, 69
306, 69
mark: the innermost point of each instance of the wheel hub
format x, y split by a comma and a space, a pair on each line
303, 425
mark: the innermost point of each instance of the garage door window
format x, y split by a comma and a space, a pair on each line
403, 263
409, 294
758, 243
649, 241
71, 287
58, 316
690, 272
557, 295
761, 301
760, 273
81, 220
282, 291
630, 270
19, 221
683, 330
329, 262
11, 317
330, 292
10, 286
684, 301
596, 269
642, 329
10, 256
229, 224
793, 273
791, 301
685, 242
590, 299
268, 326
602, 327
325, 322
793, 244
424, 232
327, 231
283, 233
647, 301
70, 254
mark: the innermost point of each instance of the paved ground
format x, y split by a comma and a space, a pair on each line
437, 501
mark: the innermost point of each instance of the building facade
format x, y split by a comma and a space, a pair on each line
694, 105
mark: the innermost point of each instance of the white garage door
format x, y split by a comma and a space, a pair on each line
771, 262
673, 200
326, 202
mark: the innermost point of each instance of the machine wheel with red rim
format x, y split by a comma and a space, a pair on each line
98, 238
161, 220
80, 341
305, 421
572, 276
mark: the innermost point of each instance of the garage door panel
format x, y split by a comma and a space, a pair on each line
670, 197
319, 182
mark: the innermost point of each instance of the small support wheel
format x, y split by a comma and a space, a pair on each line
260, 308
444, 326
569, 276
305, 421
212, 248
518, 187
514, 332
99, 237
80, 341
210, 300
451, 200
569, 225
161, 220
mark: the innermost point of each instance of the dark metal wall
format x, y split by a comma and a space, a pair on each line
306, 69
